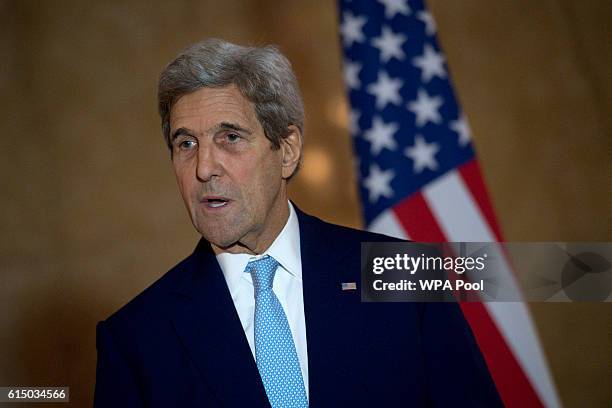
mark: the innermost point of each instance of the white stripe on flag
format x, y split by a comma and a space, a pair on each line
460, 219
388, 224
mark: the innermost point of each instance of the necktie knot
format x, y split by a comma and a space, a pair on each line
262, 271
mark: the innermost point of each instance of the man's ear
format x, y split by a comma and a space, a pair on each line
291, 147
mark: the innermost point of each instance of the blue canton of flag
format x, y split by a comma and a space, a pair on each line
408, 129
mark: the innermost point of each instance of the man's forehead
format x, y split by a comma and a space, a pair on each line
210, 106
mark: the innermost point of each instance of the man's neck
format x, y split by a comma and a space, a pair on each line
258, 242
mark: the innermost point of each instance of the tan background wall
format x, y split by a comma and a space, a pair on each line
90, 214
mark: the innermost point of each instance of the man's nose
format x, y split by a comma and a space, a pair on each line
208, 165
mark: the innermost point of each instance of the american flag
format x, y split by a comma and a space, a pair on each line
418, 173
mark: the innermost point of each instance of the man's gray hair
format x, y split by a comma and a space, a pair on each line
262, 74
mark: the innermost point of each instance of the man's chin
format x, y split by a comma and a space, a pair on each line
220, 243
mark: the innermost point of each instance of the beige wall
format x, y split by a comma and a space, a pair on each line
91, 215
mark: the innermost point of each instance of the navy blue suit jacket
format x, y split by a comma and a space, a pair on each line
180, 342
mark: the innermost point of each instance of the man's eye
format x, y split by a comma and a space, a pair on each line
187, 144
233, 138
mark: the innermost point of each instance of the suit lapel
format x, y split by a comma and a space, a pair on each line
332, 326
208, 325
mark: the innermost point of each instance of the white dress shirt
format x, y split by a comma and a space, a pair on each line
287, 287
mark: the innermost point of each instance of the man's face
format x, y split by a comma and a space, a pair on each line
231, 180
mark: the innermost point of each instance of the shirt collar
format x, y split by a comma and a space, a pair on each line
285, 249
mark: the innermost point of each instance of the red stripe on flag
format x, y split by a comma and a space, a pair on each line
417, 219
470, 172
512, 384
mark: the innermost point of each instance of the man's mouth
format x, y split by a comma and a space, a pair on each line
215, 202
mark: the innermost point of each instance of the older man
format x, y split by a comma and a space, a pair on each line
257, 315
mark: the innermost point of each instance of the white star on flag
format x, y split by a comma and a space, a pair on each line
351, 74
392, 7
426, 108
378, 183
431, 64
427, 18
389, 44
351, 28
380, 135
422, 154
386, 89
354, 122
462, 128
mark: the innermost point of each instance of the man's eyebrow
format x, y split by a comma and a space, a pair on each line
231, 126
179, 132
221, 126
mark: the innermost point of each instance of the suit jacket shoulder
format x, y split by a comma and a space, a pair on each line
147, 302
335, 238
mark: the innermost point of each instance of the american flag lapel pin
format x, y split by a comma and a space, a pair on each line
349, 286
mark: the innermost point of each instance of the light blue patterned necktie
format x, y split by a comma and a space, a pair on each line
277, 360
